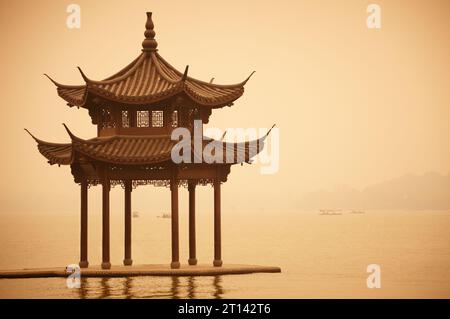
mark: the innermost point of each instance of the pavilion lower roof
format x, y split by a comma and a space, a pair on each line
149, 79
138, 150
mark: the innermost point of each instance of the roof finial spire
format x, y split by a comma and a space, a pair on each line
149, 43
185, 73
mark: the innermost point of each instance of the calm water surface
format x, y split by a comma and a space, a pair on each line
320, 256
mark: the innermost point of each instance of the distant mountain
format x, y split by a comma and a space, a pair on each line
427, 191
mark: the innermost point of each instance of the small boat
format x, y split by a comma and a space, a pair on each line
135, 214
357, 212
329, 212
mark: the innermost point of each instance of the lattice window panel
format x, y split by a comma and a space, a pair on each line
125, 119
157, 119
107, 119
175, 119
143, 119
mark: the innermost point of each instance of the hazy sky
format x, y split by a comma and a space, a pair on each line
354, 105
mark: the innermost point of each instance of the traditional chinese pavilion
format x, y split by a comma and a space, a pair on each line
135, 111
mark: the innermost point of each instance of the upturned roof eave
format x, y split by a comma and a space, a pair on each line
181, 83
65, 153
151, 99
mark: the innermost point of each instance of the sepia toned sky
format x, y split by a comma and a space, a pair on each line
354, 105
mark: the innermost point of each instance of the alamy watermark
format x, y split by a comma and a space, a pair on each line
374, 279
74, 278
374, 19
242, 146
73, 20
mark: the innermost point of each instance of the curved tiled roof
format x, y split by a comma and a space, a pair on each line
148, 79
73, 95
120, 149
126, 149
56, 153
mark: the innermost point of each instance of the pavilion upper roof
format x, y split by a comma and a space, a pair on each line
149, 79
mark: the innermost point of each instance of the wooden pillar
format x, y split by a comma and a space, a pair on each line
84, 225
105, 224
128, 188
192, 251
174, 218
217, 235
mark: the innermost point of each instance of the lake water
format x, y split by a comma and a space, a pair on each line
320, 256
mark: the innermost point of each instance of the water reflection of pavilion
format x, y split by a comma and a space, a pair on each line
152, 287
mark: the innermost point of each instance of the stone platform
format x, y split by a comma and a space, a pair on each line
141, 270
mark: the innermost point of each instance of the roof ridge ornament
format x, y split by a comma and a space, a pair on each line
53, 81
64, 86
149, 43
34, 137
72, 136
268, 132
85, 78
248, 78
185, 74
262, 138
